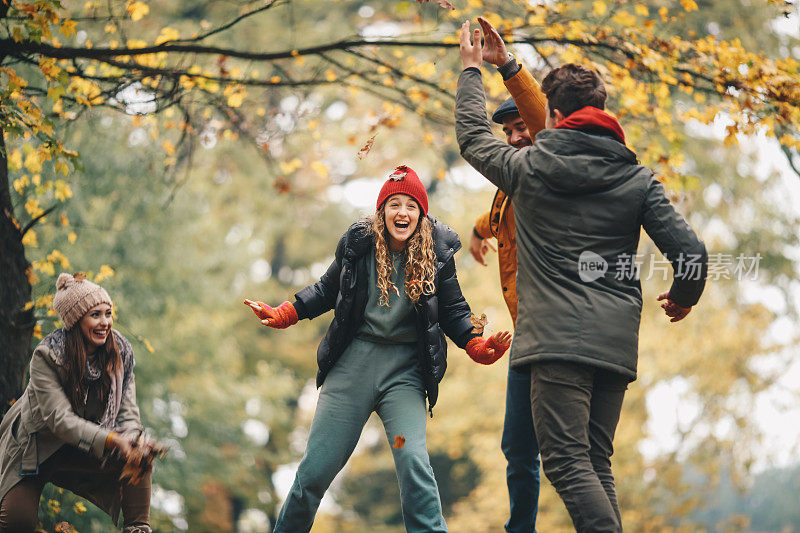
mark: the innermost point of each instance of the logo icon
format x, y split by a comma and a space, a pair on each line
591, 266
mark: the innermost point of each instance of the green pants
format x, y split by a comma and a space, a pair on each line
384, 378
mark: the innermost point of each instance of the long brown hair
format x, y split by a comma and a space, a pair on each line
420, 258
108, 358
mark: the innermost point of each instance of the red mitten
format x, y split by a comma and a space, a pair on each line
486, 351
280, 317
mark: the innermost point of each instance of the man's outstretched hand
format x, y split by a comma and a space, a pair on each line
494, 49
673, 310
473, 53
479, 248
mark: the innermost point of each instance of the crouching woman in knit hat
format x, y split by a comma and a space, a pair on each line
77, 422
395, 295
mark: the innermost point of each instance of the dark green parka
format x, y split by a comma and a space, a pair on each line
580, 201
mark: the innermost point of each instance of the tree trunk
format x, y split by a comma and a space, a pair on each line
16, 325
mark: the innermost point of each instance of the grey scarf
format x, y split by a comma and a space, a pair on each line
55, 342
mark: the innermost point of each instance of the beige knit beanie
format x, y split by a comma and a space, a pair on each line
75, 295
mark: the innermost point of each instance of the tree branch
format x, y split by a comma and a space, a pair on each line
230, 24
33, 222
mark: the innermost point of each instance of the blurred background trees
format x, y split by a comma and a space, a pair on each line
188, 168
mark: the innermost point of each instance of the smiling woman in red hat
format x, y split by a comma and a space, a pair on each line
395, 295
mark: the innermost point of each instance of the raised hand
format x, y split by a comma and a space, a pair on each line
470, 46
494, 49
671, 309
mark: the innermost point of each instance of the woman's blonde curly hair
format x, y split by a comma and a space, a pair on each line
420, 258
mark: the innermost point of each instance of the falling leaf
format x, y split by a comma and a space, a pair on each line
366, 148
399, 442
479, 322
442, 3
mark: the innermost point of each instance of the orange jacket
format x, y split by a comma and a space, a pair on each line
498, 222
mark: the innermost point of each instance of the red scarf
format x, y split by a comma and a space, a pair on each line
592, 119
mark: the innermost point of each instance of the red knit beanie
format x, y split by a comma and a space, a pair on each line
404, 181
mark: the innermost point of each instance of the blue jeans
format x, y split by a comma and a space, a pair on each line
521, 449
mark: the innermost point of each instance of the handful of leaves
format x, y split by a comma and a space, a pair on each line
140, 459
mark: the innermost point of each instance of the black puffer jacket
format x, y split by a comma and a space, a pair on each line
343, 288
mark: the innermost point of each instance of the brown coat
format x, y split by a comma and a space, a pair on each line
42, 421
498, 222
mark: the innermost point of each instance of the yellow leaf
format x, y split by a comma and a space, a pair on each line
320, 169
168, 34
21, 183
72, 237
168, 147
275, 79
68, 28
624, 18
110, 28
236, 98
330, 75
44, 301
689, 5
28, 306
62, 167
37, 332
32, 162
642, 10
62, 190
29, 239
55, 92
599, 8
148, 346
137, 10
555, 30
105, 273
15, 159
32, 207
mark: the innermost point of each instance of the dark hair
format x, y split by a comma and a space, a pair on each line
108, 357
571, 87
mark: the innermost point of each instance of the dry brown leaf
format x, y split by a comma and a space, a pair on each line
442, 3
366, 148
479, 322
140, 460
399, 442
